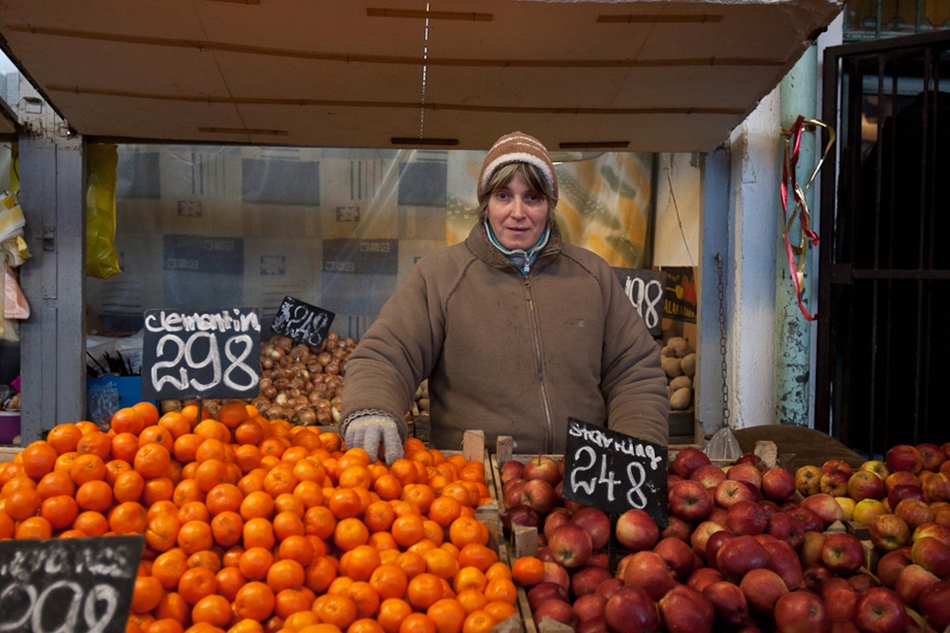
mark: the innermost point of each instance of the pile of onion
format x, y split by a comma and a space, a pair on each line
300, 383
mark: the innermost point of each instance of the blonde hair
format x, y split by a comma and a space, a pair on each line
531, 176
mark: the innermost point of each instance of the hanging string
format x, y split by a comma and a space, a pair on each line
793, 141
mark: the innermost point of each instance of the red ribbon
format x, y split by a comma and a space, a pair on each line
794, 139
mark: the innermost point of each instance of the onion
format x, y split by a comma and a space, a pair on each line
306, 416
333, 368
269, 392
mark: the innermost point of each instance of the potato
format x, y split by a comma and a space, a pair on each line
680, 345
668, 352
681, 399
688, 364
681, 381
671, 366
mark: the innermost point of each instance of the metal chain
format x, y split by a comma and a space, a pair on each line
722, 340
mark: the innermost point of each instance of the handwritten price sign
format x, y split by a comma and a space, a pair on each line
80, 585
614, 472
201, 354
645, 289
302, 322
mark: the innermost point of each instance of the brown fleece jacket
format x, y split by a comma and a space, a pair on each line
510, 354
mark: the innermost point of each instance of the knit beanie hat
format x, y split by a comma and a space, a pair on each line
517, 147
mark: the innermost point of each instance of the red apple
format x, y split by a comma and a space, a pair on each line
544, 591
824, 506
683, 610
784, 561
571, 545
520, 515
678, 528
554, 572
903, 457
539, 495
631, 609
729, 603
688, 459
808, 480
834, 483
714, 543
841, 603
688, 500
585, 580
809, 520
901, 478
636, 530
903, 491
702, 577
731, 491
511, 492
607, 587
911, 581
865, 484
709, 475
890, 565
829, 586
511, 469
599, 559
934, 604
801, 612
786, 527
932, 555
596, 624
778, 484
914, 512
753, 459
746, 472
942, 516
746, 517
557, 610
932, 455
815, 575
936, 487
888, 532
934, 530
589, 606
678, 556
880, 610
762, 589
837, 464
597, 524
739, 555
701, 535
542, 467
842, 553
555, 519
650, 572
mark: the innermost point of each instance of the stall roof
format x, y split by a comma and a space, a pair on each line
660, 75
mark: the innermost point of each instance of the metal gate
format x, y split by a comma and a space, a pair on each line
883, 366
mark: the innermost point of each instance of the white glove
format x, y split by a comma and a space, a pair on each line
368, 431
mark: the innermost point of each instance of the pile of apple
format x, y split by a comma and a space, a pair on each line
746, 548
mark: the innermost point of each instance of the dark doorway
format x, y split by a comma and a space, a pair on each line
885, 252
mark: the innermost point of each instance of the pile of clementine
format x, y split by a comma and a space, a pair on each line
257, 526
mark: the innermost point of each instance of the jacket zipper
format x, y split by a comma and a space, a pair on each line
535, 330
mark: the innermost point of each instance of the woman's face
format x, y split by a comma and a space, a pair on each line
517, 214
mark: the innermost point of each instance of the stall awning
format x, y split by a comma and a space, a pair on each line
673, 76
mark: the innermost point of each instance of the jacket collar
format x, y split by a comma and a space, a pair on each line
480, 246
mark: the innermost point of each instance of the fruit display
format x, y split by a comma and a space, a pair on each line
260, 526
746, 548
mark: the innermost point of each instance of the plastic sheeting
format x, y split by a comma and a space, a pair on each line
204, 227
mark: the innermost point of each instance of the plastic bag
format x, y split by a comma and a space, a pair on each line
103, 401
723, 445
102, 259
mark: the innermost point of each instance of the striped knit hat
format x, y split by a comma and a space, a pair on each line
517, 147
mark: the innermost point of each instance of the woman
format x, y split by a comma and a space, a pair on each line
516, 331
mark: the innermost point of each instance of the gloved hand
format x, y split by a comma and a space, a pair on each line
368, 431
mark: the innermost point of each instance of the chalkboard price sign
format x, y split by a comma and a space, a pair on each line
189, 354
614, 472
76, 585
302, 322
645, 289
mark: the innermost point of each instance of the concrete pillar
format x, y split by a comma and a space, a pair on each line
792, 329
750, 269
53, 340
